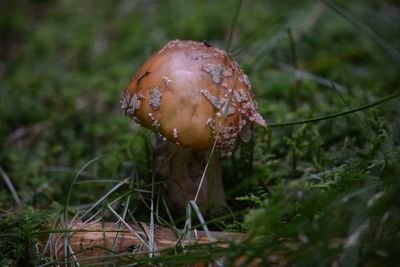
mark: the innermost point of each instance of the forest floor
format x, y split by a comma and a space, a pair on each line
319, 187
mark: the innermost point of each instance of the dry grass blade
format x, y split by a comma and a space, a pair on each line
364, 29
10, 186
136, 233
306, 75
152, 246
87, 164
112, 190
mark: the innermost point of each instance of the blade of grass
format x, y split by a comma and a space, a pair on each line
299, 27
339, 114
205, 170
233, 24
201, 219
112, 190
10, 186
128, 199
151, 233
305, 75
87, 164
364, 29
160, 220
49, 239
127, 226
98, 181
348, 106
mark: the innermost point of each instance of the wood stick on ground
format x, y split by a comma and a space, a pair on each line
96, 239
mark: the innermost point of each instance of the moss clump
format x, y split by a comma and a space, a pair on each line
18, 237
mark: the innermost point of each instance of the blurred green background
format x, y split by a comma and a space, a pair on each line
64, 64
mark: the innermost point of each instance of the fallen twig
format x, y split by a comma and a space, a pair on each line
89, 241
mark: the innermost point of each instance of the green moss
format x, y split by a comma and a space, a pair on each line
18, 238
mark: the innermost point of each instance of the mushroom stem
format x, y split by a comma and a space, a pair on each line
183, 168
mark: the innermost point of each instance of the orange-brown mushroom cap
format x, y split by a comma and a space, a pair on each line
193, 94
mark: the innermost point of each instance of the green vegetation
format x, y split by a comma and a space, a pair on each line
18, 236
317, 193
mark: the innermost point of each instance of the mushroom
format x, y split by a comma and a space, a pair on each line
199, 101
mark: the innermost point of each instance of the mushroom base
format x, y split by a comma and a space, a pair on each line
183, 169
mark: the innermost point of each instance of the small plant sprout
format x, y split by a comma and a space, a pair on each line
196, 96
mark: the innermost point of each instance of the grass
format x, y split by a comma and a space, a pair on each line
319, 187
